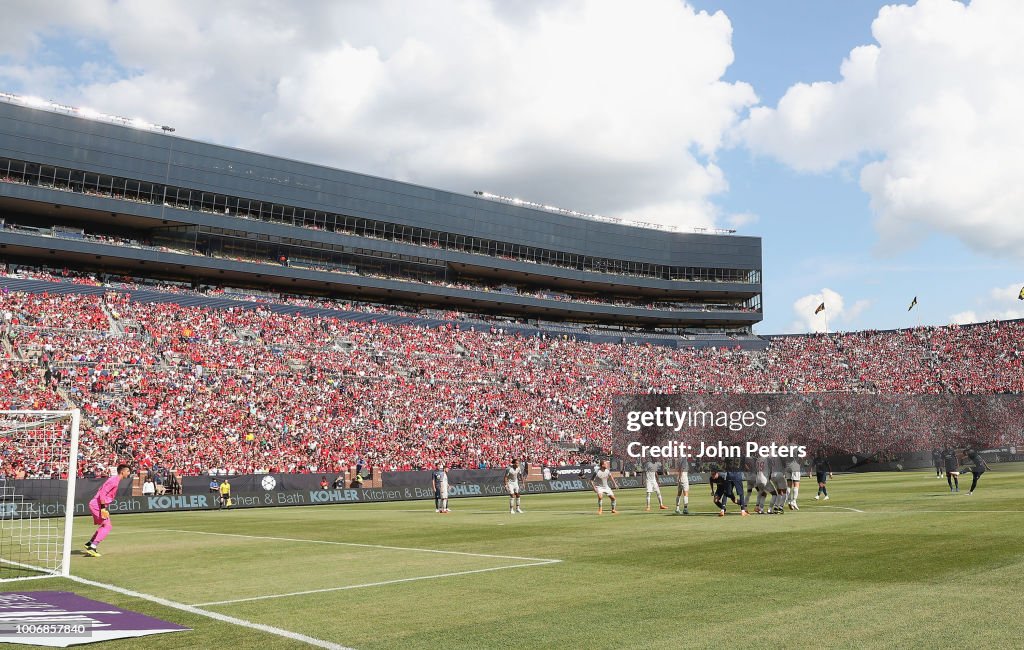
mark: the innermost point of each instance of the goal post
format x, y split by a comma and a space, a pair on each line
38, 472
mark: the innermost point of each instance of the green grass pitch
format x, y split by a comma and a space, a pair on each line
919, 567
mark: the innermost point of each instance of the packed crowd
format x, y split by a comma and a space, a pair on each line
72, 311
127, 282
250, 390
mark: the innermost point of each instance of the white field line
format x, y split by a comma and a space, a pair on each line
537, 560
629, 512
21, 578
812, 510
529, 561
803, 509
585, 513
842, 508
945, 512
373, 584
46, 574
50, 573
191, 609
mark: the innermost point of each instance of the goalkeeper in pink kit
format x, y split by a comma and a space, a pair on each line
98, 507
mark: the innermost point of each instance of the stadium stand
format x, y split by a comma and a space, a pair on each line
201, 383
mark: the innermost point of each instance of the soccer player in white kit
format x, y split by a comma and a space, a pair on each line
683, 481
439, 479
651, 469
793, 472
780, 485
512, 474
600, 482
757, 481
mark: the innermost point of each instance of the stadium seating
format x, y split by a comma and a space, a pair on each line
507, 289
242, 390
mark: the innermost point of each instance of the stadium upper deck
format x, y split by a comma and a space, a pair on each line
99, 196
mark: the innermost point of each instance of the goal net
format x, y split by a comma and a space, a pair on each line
37, 489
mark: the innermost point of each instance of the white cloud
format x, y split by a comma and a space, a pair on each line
1006, 295
856, 310
616, 108
740, 220
964, 317
26, 22
834, 313
1000, 303
933, 111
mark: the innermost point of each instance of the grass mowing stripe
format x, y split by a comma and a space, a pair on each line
850, 578
192, 609
375, 584
356, 544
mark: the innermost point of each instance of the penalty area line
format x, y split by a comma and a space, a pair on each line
921, 512
301, 540
224, 618
373, 584
946, 512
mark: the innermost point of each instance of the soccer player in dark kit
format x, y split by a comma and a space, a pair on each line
822, 471
730, 486
716, 480
977, 470
952, 463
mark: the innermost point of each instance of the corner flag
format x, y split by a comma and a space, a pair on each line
913, 303
821, 307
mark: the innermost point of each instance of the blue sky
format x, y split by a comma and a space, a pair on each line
894, 178
777, 44
817, 227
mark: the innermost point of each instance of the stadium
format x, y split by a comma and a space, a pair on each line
323, 341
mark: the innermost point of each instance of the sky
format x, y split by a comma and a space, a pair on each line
876, 148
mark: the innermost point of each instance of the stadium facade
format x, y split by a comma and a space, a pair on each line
97, 196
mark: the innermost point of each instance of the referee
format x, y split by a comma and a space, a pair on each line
225, 494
